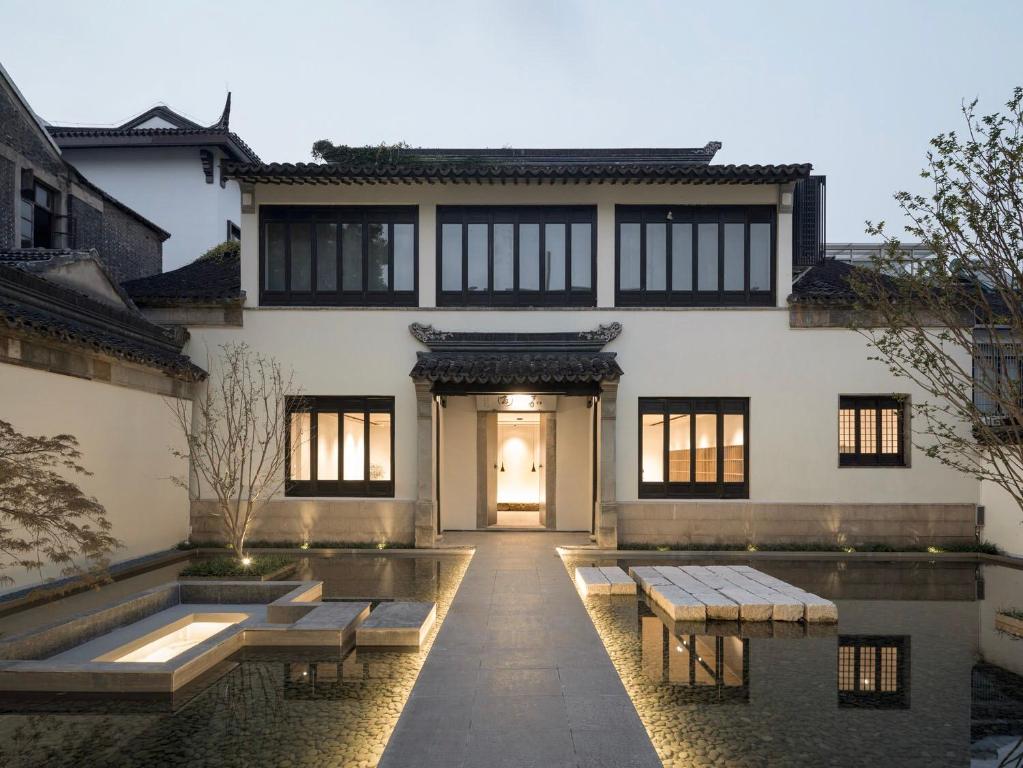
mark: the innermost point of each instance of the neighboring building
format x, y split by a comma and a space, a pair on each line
167, 167
46, 203
598, 340
866, 254
77, 357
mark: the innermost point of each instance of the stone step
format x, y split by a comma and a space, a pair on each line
647, 576
678, 604
397, 624
619, 580
591, 581
326, 624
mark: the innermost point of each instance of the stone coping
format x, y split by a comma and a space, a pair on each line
440, 551
744, 554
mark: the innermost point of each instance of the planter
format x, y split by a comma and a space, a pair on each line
1010, 624
275, 575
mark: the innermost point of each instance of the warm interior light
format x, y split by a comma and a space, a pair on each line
176, 642
518, 444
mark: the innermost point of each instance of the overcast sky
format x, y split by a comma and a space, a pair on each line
855, 88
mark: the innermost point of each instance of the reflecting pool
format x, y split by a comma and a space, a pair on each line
261, 707
913, 674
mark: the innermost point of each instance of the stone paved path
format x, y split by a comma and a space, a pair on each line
518, 675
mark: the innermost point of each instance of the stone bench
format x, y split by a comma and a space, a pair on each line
397, 624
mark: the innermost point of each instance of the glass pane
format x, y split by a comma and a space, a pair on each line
847, 430
582, 251
846, 668
706, 448
735, 257
326, 446
42, 231
301, 258
404, 257
889, 430
351, 257
707, 257
682, 257
554, 263
451, 257
326, 257
275, 256
868, 430
478, 269
760, 257
43, 197
354, 454
678, 448
504, 257
628, 257
529, 257
889, 668
301, 433
734, 453
380, 446
653, 448
656, 258
378, 275
868, 668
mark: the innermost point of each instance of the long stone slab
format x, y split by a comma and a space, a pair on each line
677, 603
591, 581
326, 624
397, 624
619, 580
647, 576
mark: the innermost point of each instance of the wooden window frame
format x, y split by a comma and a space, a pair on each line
28, 197
517, 215
339, 405
720, 407
695, 215
857, 403
310, 216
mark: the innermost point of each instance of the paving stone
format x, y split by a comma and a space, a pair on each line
678, 604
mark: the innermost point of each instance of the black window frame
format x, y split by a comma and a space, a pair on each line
30, 204
875, 699
719, 489
517, 215
364, 488
364, 215
695, 215
857, 403
234, 232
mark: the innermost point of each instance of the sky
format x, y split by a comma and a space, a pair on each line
856, 88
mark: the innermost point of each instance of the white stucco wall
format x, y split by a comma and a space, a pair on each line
792, 377
574, 467
168, 187
458, 464
125, 437
1003, 519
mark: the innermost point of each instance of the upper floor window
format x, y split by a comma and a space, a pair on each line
695, 255
871, 431
334, 255
340, 446
516, 256
234, 232
38, 216
693, 447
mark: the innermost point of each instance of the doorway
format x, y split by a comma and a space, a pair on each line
519, 470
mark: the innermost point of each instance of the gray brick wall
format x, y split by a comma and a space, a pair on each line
8, 217
21, 134
130, 248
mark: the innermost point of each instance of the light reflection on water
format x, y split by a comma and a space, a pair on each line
263, 706
901, 680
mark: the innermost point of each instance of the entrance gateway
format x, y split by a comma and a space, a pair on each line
515, 430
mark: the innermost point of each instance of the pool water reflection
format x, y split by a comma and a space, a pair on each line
263, 706
903, 679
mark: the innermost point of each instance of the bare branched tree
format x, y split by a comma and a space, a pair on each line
953, 324
45, 518
236, 446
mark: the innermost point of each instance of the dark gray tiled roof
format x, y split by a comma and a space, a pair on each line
824, 283
72, 136
207, 279
690, 165
516, 368
32, 304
